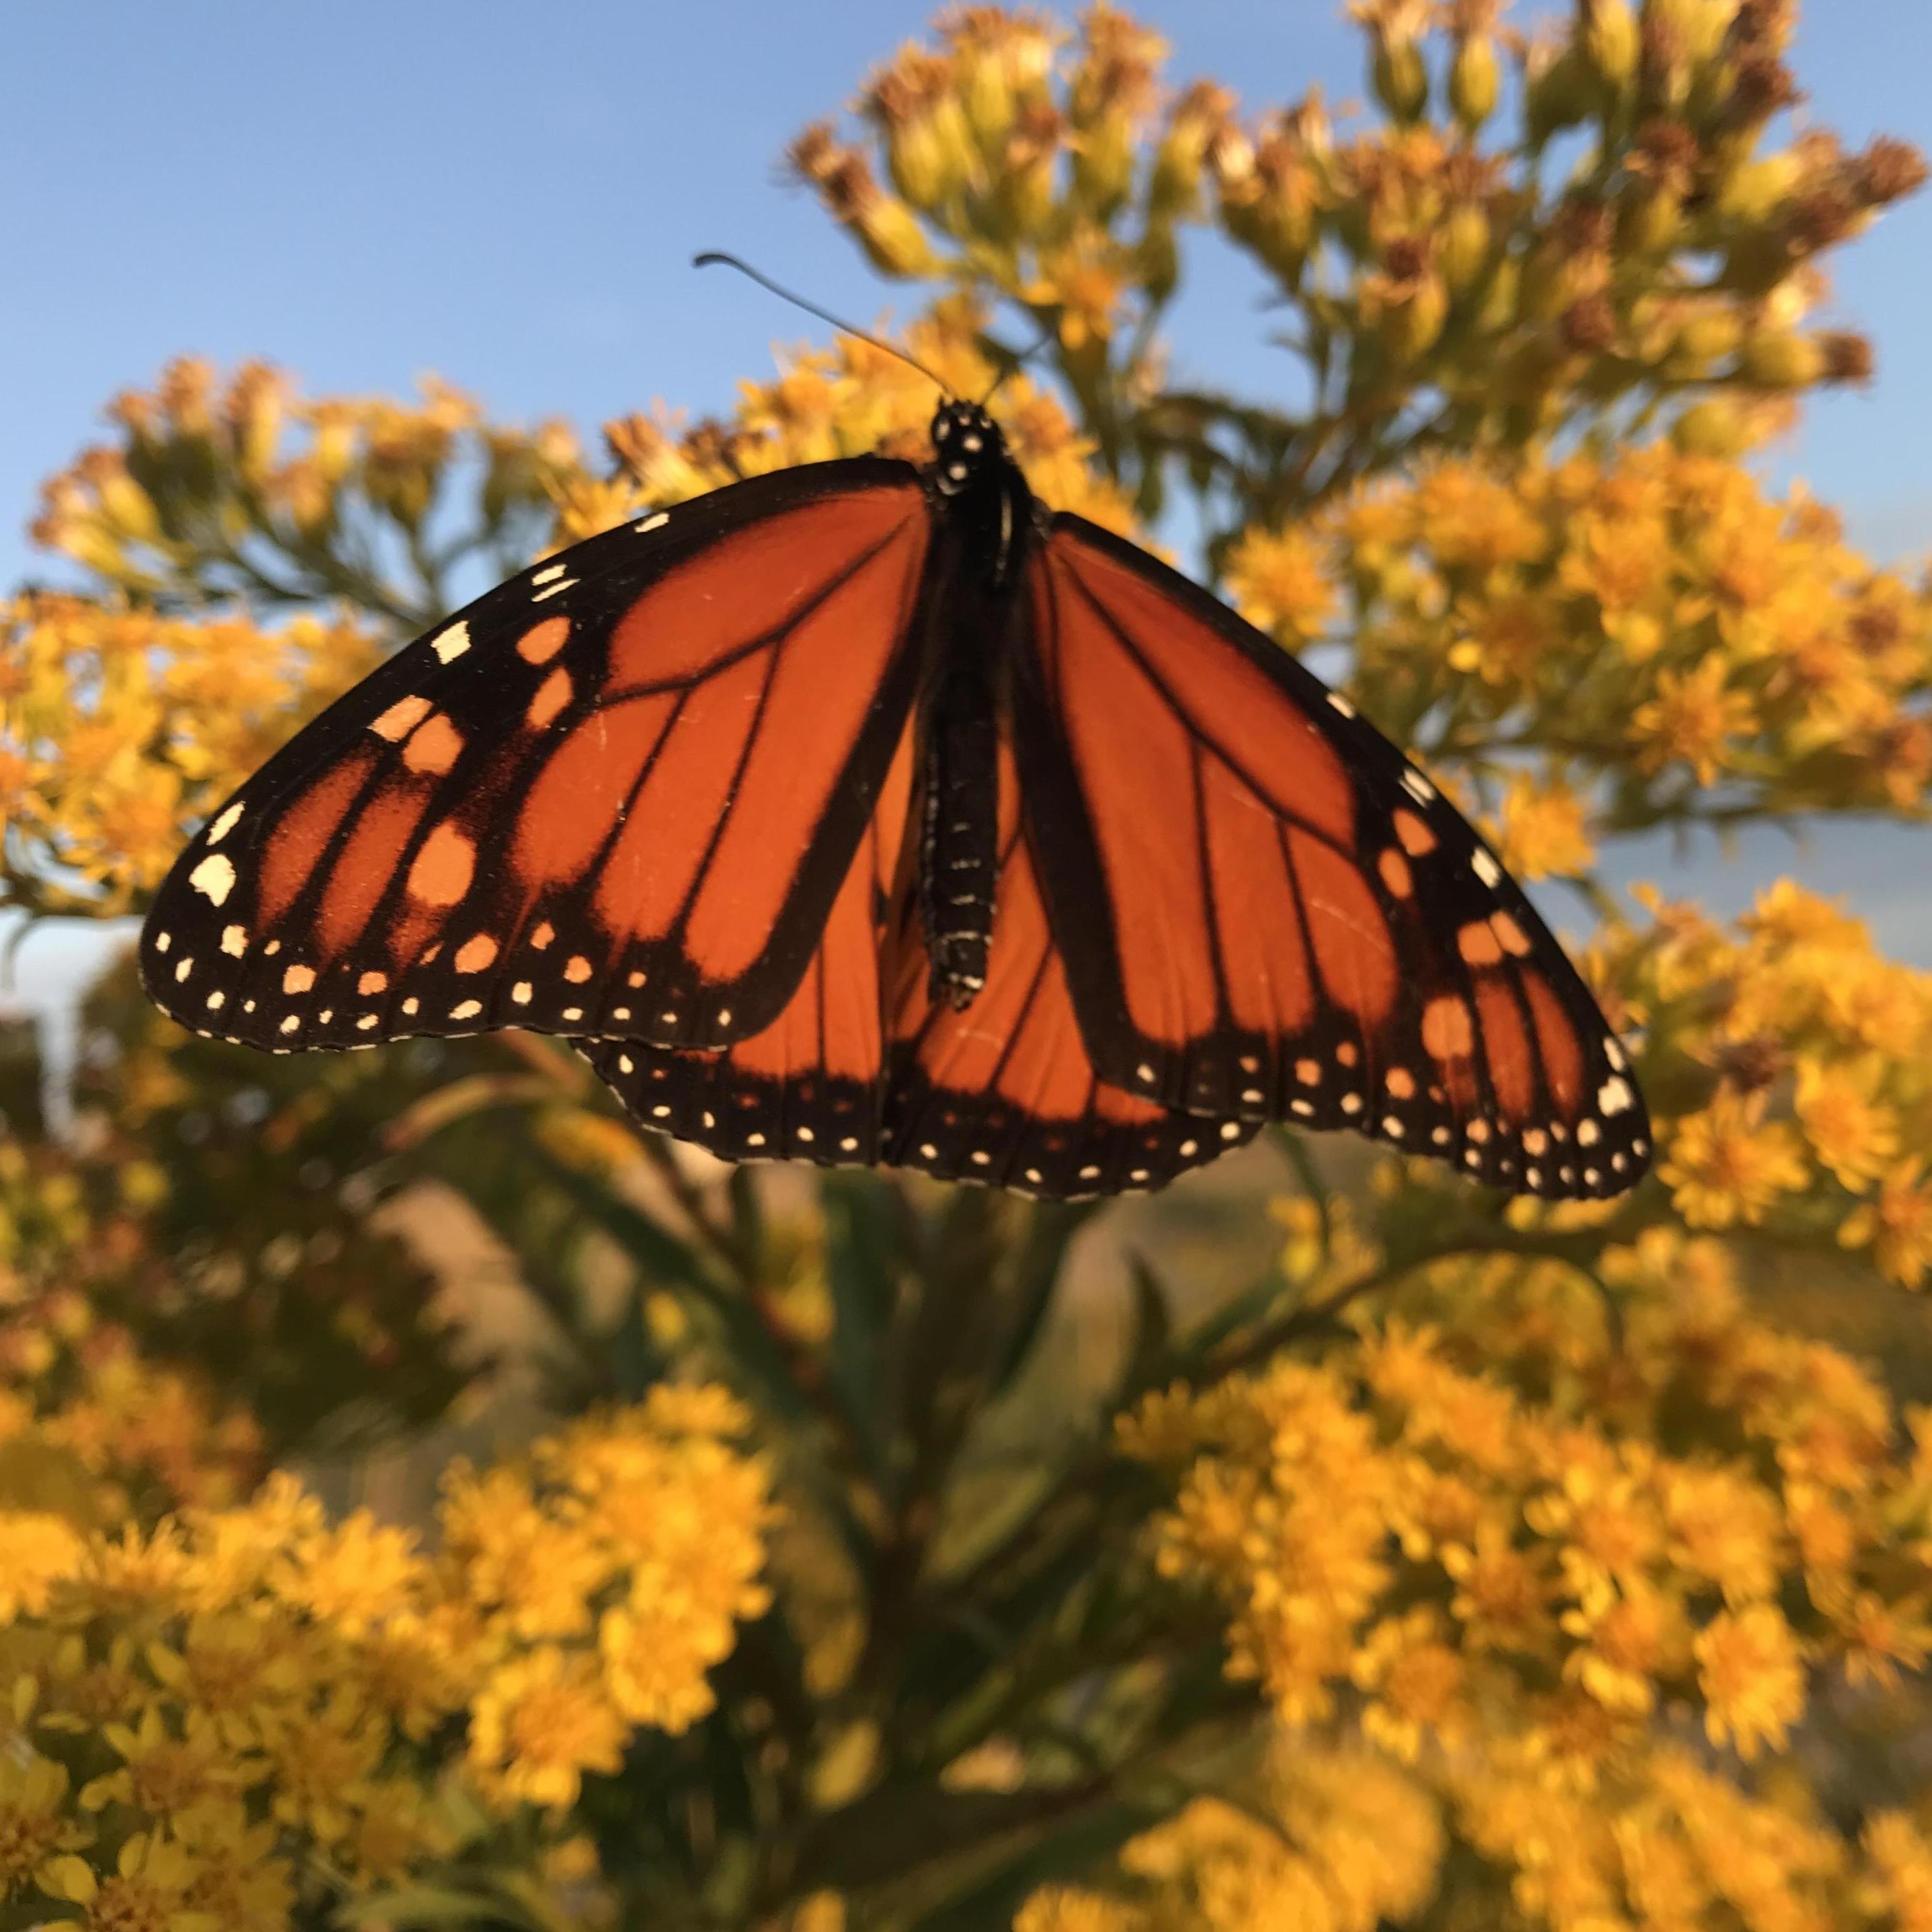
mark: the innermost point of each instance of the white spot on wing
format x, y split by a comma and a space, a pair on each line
551, 589
214, 878
649, 524
1486, 869
1341, 704
451, 643
223, 825
1615, 1096
549, 572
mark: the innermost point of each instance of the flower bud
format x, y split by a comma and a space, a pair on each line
1103, 162
1781, 358
1112, 94
1400, 78
254, 410
929, 153
1710, 335
1464, 248
333, 427
1848, 356
1475, 81
1750, 193
127, 509
1200, 117
887, 228
1027, 174
1715, 426
1611, 42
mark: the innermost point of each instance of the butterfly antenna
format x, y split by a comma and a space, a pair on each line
711, 255
1014, 367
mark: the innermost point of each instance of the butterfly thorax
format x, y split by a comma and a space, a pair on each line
986, 518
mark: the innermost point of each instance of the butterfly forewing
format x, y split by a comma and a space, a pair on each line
617, 796
1268, 913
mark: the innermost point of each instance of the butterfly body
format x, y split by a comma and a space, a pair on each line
985, 516
870, 813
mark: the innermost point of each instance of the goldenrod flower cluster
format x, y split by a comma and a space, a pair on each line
245, 491
1601, 645
119, 727
91, 1428
1337, 1839
247, 1707
1789, 1062
1466, 1543
1449, 285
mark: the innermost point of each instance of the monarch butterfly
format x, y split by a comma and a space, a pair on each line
869, 813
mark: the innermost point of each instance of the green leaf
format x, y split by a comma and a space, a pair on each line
1051, 1229
1151, 1351
863, 1257
430, 1905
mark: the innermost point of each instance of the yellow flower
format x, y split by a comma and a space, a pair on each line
238, 1878
1852, 1133
162, 1774
1901, 1856
1279, 581
395, 1831
1880, 1638
654, 1657
1545, 829
37, 1551
537, 1723
1897, 1226
354, 1575
1728, 1165
1726, 1529
1691, 720
1418, 1681
232, 1668
1475, 521
1059, 1908
1751, 1670
147, 1891
35, 1822
1627, 1641
1501, 1595
516, 1559
322, 1760
1620, 561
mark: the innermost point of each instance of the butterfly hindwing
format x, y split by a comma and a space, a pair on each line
616, 796
863, 1068
1268, 913
1003, 1091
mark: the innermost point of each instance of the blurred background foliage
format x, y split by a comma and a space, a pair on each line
424, 1500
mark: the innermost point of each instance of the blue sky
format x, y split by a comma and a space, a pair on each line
509, 195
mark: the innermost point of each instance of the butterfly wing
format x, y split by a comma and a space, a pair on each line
616, 796
863, 1068
810, 1085
1003, 1091
1267, 913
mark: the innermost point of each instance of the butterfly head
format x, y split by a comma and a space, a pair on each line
967, 446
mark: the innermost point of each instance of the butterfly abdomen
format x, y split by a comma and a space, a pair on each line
959, 845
